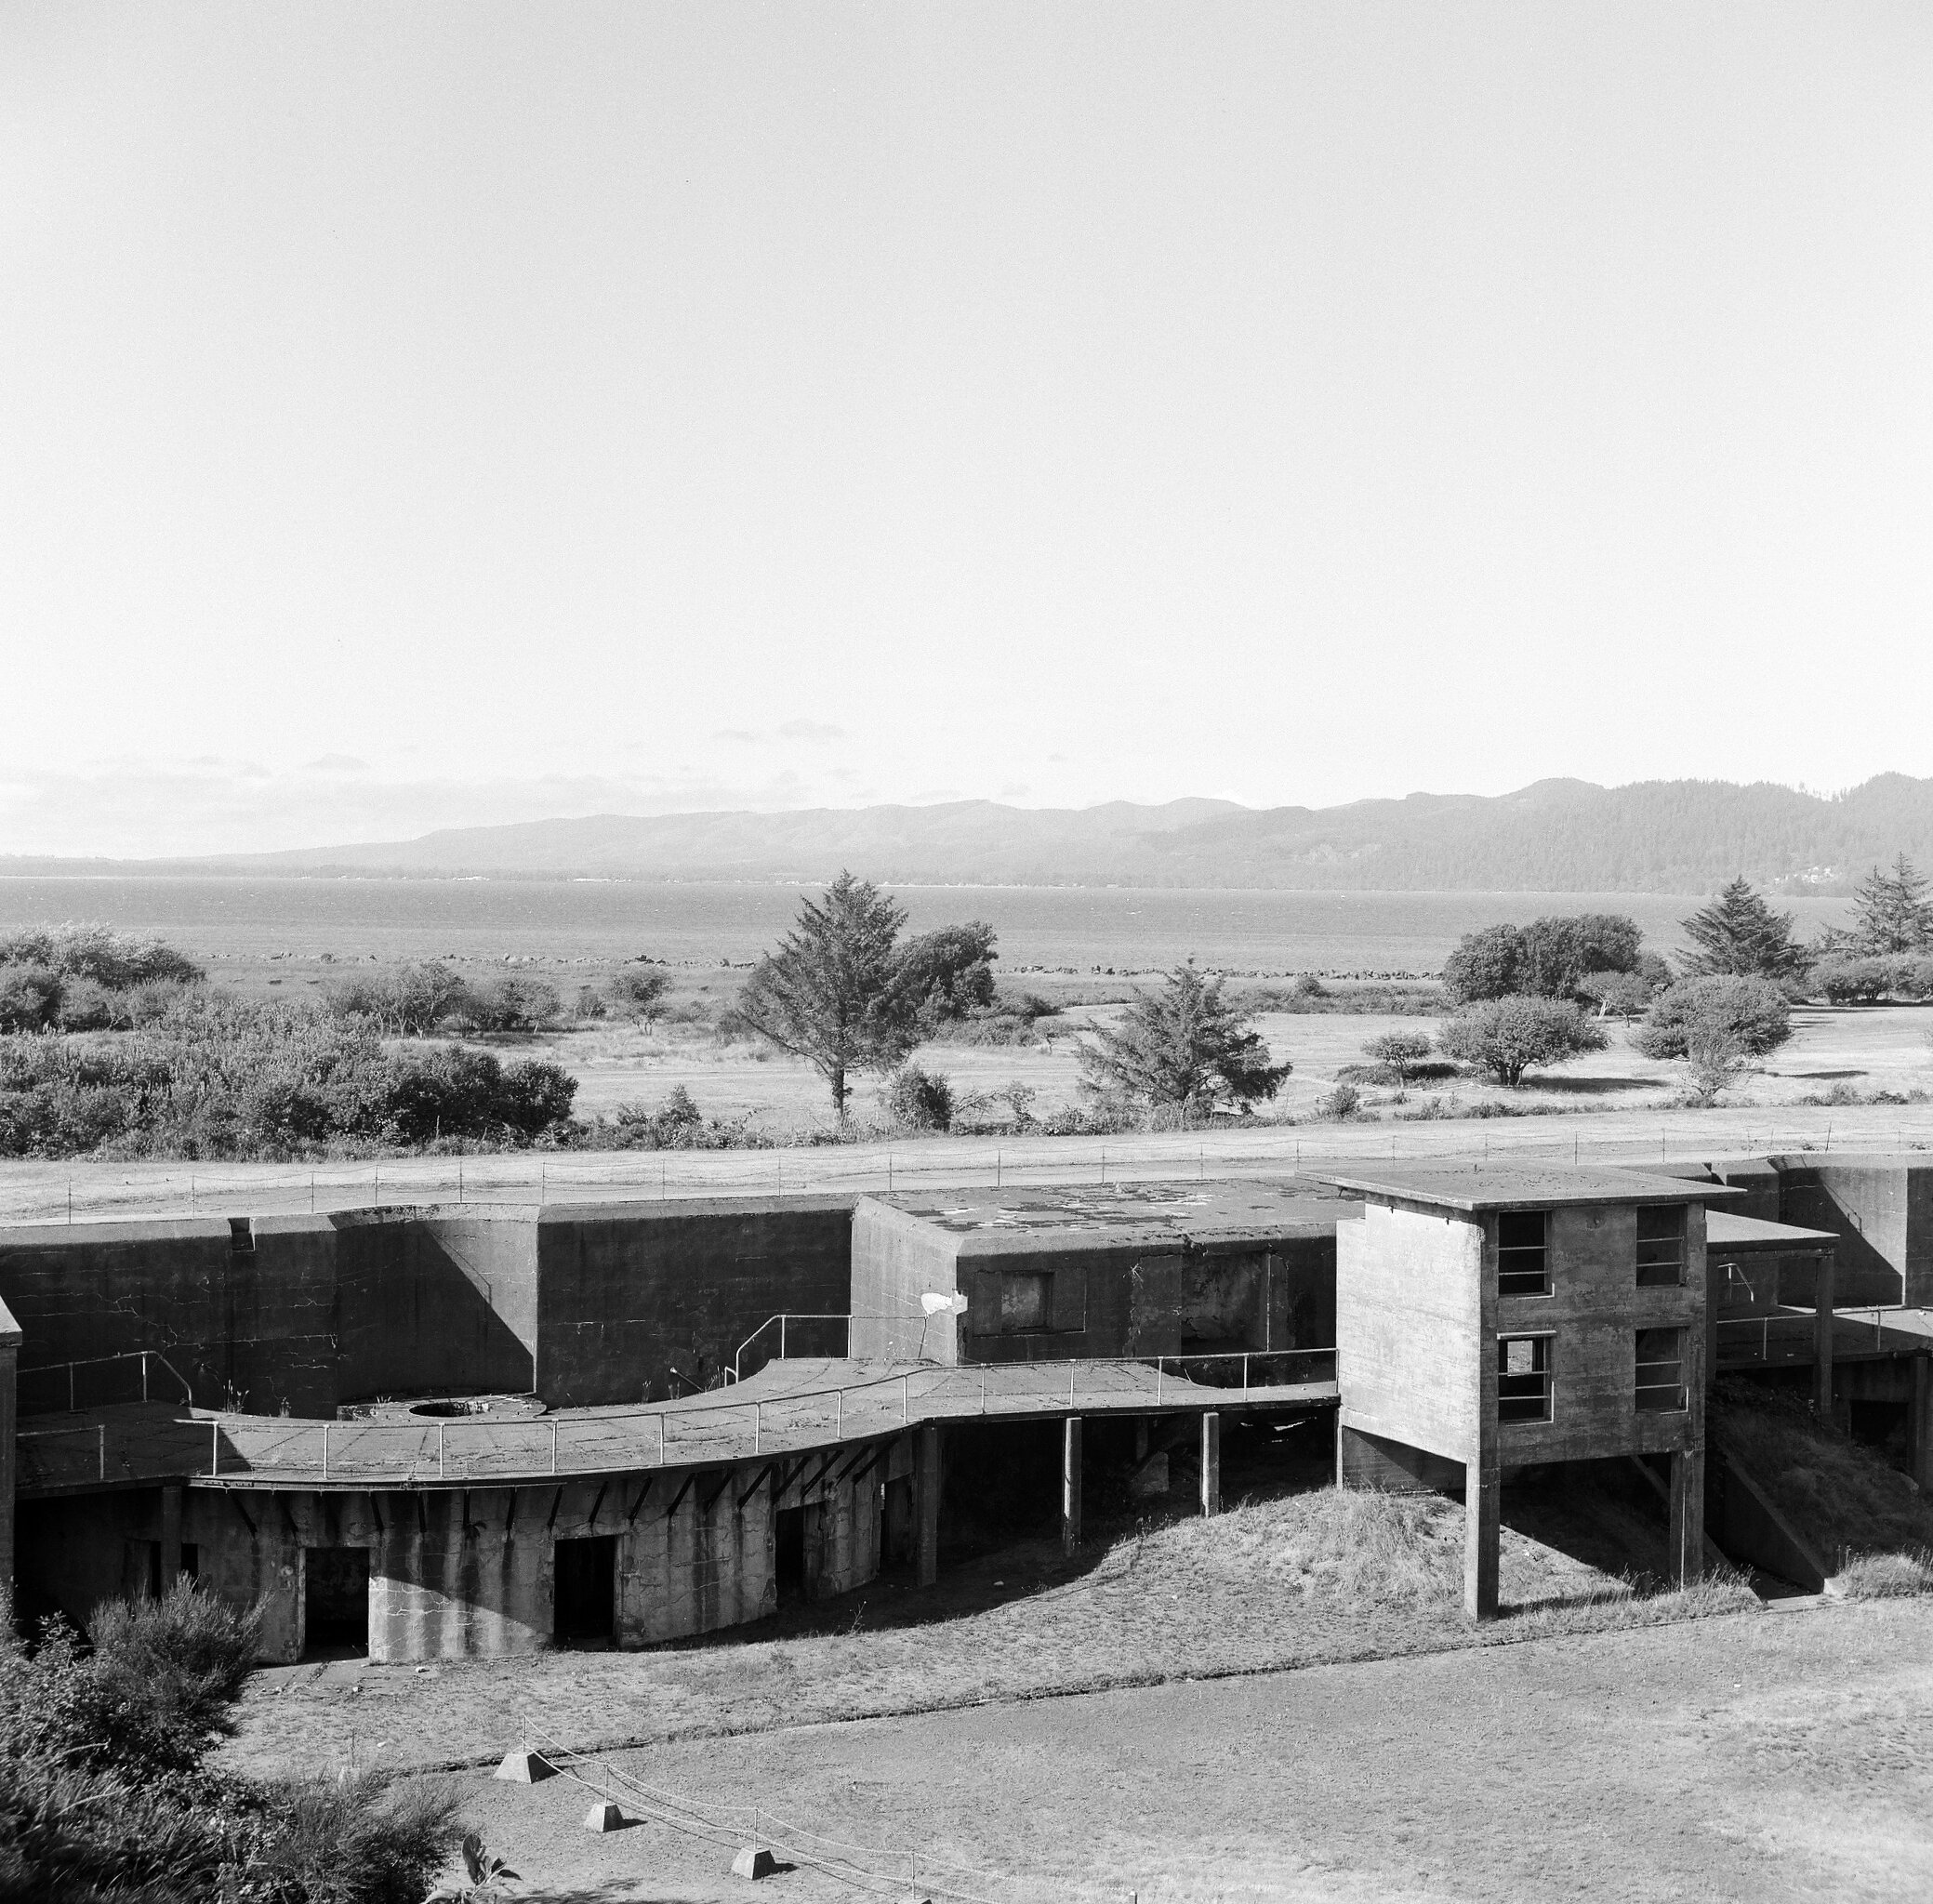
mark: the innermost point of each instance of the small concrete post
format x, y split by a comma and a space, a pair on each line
170, 1534
1686, 1558
1919, 1423
1211, 1463
1823, 1337
1070, 1484
926, 1500
1482, 1532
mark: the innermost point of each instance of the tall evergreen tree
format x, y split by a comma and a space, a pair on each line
831, 993
1741, 935
1891, 912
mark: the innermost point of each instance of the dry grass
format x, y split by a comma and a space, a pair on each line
1846, 1501
1889, 1576
1312, 1579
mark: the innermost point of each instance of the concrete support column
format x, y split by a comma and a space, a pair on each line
1482, 1529
926, 1500
1919, 1423
170, 1534
1211, 1463
1823, 1339
9, 1367
1686, 1558
1070, 1484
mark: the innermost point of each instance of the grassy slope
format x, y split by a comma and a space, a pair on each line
1846, 1500
1314, 1577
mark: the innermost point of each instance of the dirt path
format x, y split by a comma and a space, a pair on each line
1763, 1757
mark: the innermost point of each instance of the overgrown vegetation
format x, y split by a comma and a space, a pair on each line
106, 1791
86, 977
218, 1078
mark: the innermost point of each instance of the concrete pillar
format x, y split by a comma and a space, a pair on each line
926, 1500
1919, 1423
1211, 1463
1482, 1532
1686, 1558
1070, 1484
170, 1534
9, 1374
1823, 1339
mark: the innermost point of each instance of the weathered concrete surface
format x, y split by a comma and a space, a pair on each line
1881, 1209
643, 1302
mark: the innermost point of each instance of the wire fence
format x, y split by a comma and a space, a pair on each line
36, 1193
138, 1444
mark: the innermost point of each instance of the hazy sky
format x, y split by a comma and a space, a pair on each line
415, 414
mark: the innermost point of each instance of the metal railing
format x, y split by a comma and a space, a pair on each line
1792, 1333
711, 1427
69, 1370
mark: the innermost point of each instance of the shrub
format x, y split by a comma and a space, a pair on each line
1506, 1037
1342, 1103
30, 997
1401, 1050
405, 1000
1184, 1047
919, 1100
1615, 994
1852, 981
509, 1003
1547, 958
1748, 1013
636, 991
112, 959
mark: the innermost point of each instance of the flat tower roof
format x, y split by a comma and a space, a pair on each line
1480, 1186
1202, 1207
1723, 1230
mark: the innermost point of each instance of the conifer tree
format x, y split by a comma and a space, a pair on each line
1741, 935
1891, 912
1184, 1047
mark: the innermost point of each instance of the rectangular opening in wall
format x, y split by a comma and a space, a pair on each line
585, 1600
241, 1236
1523, 1378
1523, 1253
1661, 1371
796, 1535
1661, 1247
1027, 1301
335, 1599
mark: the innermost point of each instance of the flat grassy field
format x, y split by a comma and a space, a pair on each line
1760, 1758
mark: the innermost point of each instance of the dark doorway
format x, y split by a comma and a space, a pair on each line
335, 1599
898, 1533
795, 1552
587, 1589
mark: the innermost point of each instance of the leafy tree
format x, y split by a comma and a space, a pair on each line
946, 973
1184, 1049
1738, 934
1747, 1009
831, 993
1547, 958
1624, 994
1484, 965
30, 997
637, 988
1891, 912
401, 1000
1506, 1037
1401, 1050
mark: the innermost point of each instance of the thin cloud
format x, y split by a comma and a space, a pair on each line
810, 730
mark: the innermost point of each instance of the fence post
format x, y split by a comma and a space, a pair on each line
214, 1449
758, 1421
325, 1450
661, 1440
70, 1388
838, 1414
553, 1447
781, 1338
1245, 1374
439, 1451
144, 1375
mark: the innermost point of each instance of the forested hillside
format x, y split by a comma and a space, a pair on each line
1663, 836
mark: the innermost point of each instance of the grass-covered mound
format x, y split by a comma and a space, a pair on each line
1864, 1520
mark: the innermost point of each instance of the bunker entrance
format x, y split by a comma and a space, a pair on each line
585, 1606
795, 1551
335, 1599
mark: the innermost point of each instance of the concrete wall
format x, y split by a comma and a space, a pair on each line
628, 1294
1409, 1328
457, 1573
1881, 1209
1596, 1309
898, 1258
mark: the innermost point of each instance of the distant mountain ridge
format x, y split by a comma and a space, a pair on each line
1659, 836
